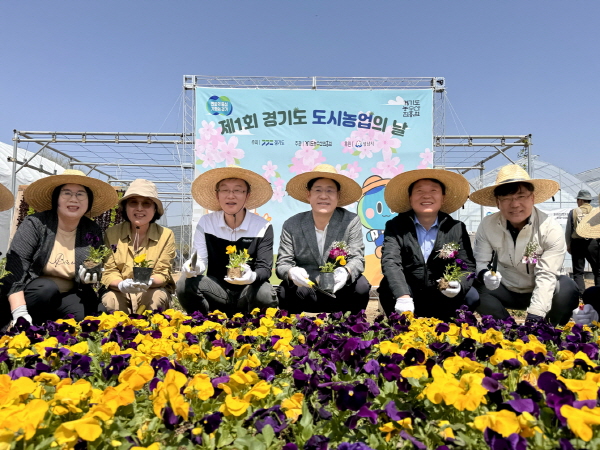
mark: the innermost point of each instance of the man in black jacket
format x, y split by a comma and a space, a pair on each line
423, 244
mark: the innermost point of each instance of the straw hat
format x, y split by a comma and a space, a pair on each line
39, 193
457, 189
589, 227
372, 182
350, 190
143, 188
7, 200
204, 187
513, 173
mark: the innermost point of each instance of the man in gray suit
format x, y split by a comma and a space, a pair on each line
306, 240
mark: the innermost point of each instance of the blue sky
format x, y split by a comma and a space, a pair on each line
511, 67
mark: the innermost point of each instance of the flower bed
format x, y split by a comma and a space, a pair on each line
269, 381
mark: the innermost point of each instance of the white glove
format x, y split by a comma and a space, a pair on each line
189, 271
87, 278
129, 286
492, 282
21, 311
248, 276
299, 276
453, 289
144, 287
404, 304
586, 315
340, 276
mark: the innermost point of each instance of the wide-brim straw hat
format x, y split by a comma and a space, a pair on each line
39, 193
204, 187
543, 189
589, 227
350, 190
7, 199
143, 188
457, 189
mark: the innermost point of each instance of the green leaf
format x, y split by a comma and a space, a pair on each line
269, 434
394, 150
277, 175
316, 147
237, 161
345, 166
199, 161
356, 153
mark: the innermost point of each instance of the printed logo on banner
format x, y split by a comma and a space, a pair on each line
219, 106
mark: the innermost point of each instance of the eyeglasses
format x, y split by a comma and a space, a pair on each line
236, 192
80, 196
514, 198
327, 192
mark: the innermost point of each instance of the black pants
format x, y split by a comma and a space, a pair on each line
582, 249
207, 293
353, 297
494, 303
45, 302
430, 302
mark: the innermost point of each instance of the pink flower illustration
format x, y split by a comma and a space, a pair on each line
217, 138
427, 160
211, 157
385, 142
388, 168
229, 152
269, 169
352, 170
299, 167
279, 182
208, 130
307, 154
278, 195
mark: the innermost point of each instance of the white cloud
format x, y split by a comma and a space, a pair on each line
399, 101
245, 131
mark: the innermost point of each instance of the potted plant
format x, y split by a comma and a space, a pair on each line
236, 260
93, 262
456, 270
141, 269
336, 258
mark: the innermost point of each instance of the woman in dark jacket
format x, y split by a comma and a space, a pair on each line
47, 280
422, 242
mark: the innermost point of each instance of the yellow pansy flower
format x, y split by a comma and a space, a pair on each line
86, 428
580, 421
504, 422
293, 406
137, 376
201, 386
234, 406
140, 258
230, 249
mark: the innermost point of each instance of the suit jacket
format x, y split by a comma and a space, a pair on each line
402, 260
298, 243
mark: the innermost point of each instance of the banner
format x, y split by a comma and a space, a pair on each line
370, 136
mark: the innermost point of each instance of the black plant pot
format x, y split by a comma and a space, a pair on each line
142, 274
92, 268
326, 281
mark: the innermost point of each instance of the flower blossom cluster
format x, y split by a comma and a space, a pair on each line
268, 380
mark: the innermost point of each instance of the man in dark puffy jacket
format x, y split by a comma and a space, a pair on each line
423, 244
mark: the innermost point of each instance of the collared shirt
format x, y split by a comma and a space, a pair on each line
159, 247
426, 237
514, 233
321, 234
254, 234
